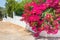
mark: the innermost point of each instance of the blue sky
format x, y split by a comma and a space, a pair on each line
2, 2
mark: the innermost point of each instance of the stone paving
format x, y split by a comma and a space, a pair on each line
9, 31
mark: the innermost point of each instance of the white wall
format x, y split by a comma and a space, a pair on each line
15, 20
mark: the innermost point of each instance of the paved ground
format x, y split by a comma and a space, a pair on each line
9, 31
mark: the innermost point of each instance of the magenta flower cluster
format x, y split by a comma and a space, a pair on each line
33, 15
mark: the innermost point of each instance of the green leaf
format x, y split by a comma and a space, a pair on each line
49, 10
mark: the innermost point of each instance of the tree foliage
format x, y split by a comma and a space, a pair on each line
10, 6
17, 7
2, 12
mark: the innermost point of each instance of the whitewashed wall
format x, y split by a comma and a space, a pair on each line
15, 20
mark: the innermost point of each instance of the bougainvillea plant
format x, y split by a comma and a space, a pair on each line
43, 16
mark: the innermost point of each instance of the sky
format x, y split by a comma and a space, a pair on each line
2, 2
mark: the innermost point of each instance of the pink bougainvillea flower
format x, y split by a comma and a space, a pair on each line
55, 2
34, 18
39, 29
34, 23
36, 11
33, 15
41, 1
34, 28
56, 24
43, 6
57, 11
49, 17
26, 6
57, 6
40, 22
34, 4
58, 19
49, 1
55, 31
52, 31
36, 35
46, 27
49, 32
